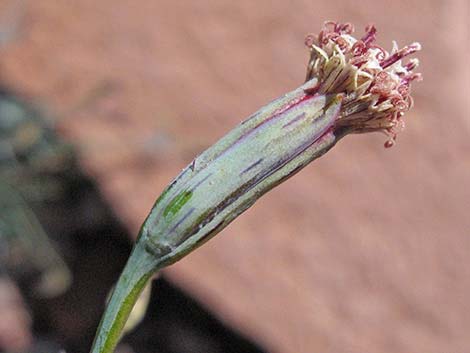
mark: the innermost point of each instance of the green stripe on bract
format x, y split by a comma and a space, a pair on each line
177, 203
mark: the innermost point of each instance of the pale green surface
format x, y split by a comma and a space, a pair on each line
216, 187
132, 281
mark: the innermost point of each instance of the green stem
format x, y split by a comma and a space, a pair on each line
139, 268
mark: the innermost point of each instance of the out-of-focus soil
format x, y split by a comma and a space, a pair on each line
365, 250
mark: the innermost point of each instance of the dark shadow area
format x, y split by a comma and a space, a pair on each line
176, 323
94, 245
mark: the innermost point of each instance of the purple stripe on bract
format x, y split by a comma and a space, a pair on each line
201, 181
252, 166
182, 219
297, 118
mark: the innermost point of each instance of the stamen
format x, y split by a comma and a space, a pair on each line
407, 50
369, 37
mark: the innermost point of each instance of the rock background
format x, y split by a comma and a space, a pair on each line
365, 250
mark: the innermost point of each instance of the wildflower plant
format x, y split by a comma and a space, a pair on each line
352, 86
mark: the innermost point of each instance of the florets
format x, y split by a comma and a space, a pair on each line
375, 83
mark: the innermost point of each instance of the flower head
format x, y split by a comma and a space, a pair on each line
352, 86
375, 83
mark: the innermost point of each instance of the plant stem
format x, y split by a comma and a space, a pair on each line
138, 270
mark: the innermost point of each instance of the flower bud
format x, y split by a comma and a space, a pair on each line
231, 175
353, 86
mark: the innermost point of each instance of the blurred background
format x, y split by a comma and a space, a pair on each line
104, 102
